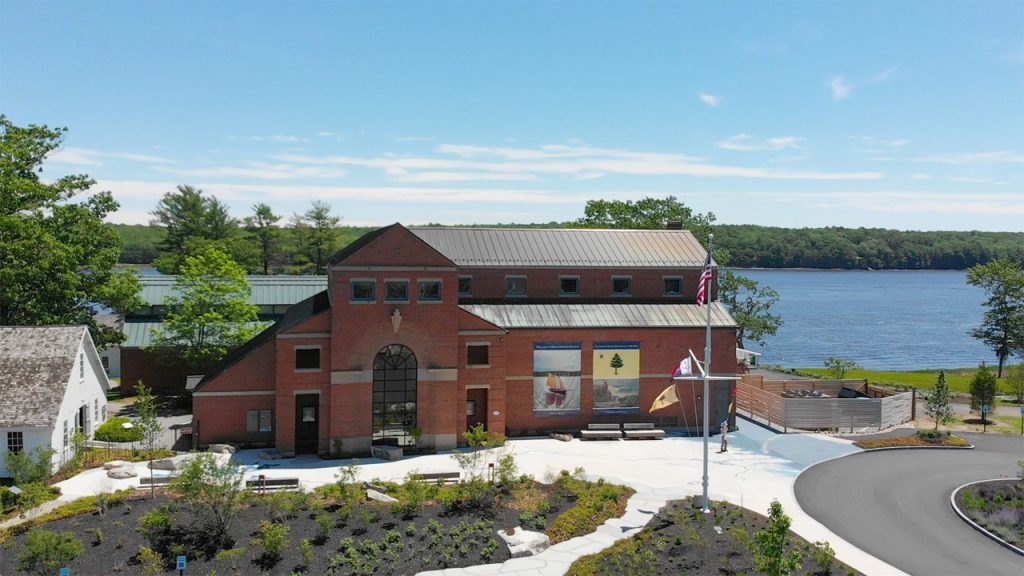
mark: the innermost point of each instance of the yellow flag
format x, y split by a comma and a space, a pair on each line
666, 398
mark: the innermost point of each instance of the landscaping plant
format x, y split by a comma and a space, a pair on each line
214, 492
46, 551
937, 403
983, 390
769, 547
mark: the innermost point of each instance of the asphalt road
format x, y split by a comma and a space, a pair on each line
894, 505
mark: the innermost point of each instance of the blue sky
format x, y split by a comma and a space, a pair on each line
905, 115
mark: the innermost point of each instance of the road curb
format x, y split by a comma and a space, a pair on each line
973, 524
971, 447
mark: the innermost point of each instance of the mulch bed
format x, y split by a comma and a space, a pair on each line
914, 441
364, 538
996, 506
680, 539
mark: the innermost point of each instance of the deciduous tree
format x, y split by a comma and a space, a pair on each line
214, 492
937, 404
770, 545
148, 425
1002, 326
983, 390
750, 305
839, 367
57, 257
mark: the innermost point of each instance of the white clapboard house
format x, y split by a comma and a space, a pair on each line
52, 384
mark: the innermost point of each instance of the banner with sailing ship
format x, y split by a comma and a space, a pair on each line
556, 378
616, 378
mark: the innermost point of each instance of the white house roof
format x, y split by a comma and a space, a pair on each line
35, 367
513, 316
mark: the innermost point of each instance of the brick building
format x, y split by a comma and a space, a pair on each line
424, 332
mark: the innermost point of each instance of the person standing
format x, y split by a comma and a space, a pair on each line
725, 430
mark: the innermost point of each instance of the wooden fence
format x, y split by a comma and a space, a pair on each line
823, 413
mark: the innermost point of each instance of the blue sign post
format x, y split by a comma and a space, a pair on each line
65, 572
182, 563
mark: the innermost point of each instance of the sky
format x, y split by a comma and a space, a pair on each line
905, 115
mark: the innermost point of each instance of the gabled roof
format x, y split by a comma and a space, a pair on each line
566, 248
360, 242
512, 316
297, 314
35, 367
264, 290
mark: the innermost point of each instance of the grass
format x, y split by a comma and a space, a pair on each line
958, 379
96, 457
996, 423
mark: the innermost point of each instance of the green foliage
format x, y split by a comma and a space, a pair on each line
273, 538
29, 466
47, 241
838, 368
214, 492
151, 561
983, 390
147, 424
208, 311
1002, 326
156, 526
113, 430
306, 551
262, 225
595, 503
321, 234
484, 450
46, 551
824, 556
645, 214
937, 404
769, 547
750, 304
1014, 382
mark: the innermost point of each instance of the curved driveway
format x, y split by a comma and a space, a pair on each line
894, 505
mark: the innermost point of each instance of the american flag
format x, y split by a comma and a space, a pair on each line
704, 283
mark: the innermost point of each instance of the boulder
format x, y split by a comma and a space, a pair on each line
174, 463
122, 473
116, 464
524, 542
387, 452
222, 448
380, 496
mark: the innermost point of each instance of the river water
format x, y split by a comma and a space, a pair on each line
883, 320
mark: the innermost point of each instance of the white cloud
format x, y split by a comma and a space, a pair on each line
326, 134
967, 158
920, 176
262, 171
273, 138
415, 139
842, 88
406, 176
88, 157
746, 143
911, 202
971, 180
710, 99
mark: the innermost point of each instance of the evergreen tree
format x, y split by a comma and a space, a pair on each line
194, 223
263, 227
983, 390
323, 235
937, 403
616, 362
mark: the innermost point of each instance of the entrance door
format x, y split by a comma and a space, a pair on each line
307, 427
476, 407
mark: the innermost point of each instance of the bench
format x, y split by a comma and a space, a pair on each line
642, 431
601, 432
155, 482
262, 485
438, 477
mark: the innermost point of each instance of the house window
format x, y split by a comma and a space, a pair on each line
81, 366
465, 285
622, 286
96, 411
259, 421
515, 285
364, 291
430, 290
478, 355
673, 286
66, 435
307, 358
569, 286
396, 290
15, 442
105, 361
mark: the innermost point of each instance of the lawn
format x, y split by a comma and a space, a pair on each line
958, 379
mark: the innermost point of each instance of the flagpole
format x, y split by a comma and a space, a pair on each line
707, 371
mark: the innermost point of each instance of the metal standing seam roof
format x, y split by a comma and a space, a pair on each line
539, 247
266, 290
140, 334
511, 316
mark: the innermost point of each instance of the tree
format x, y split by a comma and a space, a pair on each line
750, 305
769, 547
263, 226
937, 403
1002, 326
323, 234
46, 552
983, 390
838, 367
1015, 382
208, 314
57, 257
214, 492
148, 426
193, 223
616, 362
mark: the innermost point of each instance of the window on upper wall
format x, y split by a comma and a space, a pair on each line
569, 286
66, 437
430, 290
259, 421
478, 355
81, 366
307, 358
96, 410
364, 291
673, 286
15, 442
622, 286
515, 285
396, 290
465, 285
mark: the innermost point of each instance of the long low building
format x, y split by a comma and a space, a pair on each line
423, 333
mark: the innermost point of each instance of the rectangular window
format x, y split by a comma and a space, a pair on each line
515, 285
568, 285
465, 285
430, 290
81, 366
66, 435
396, 290
105, 361
622, 286
673, 286
478, 355
96, 410
15, 441
307, 358
470, 407
259, 421
364, 291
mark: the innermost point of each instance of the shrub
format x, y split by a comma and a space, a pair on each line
155, 527
47, 551
97, 535
26, 467
769, 547
214, 492
113, 430
152, 562
824, 556
273, 538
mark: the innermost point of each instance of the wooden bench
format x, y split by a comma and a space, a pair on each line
438, 477
601, 432
155, 482
262, 485
642, 431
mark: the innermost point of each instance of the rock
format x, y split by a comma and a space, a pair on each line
122, 473
375, 487
222, 448
561, 436
270, 455
116, 464
524, 542
380, 496
387, 452
174, 463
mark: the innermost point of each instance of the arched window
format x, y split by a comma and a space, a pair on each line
394, 395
